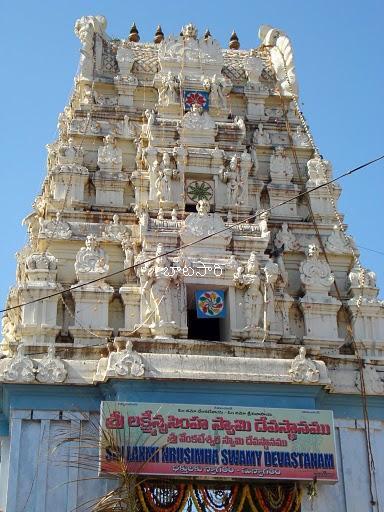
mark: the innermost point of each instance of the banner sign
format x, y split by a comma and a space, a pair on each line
217, 441
210, 304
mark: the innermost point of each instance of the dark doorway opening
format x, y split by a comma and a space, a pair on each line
203, 328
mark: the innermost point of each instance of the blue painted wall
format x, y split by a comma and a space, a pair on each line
88, 398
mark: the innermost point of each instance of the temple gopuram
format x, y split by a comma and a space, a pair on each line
191, 328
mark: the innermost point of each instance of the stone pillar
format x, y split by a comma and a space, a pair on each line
91, 306
279, 193
68, 184
255, 102
126, 87
131, 296
367, 310
39, 318
319, 171
92, 300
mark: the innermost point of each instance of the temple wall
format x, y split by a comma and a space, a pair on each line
42, 480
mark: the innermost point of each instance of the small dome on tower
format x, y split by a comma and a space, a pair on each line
207, 34
159, 35
234, 43
134, 34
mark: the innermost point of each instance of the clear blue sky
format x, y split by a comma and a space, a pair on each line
339, 60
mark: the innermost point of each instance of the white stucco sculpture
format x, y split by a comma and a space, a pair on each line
281, 53
91, 261
109, 156
85, 29
248, 278
304, 369
51, 369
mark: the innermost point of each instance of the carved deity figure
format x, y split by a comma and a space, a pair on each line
286, 240
263, 223
129, 255
115, 230
300, 138
68, 153
56, 228
91, 260
87, 95
147, 129
248, 278
203, 207
158, 282
151, 117
316, 275
261, 137
319, 171
41, 267
141, 212
109, 157
163, 184
231, 176
152, 164
169, 89
362, 284
197, 119
280, 167
219, 89
303, 369
337, 242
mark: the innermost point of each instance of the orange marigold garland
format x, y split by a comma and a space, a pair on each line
177, 497
276, 498
215, 499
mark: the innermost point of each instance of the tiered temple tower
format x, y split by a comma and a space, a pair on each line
168, 244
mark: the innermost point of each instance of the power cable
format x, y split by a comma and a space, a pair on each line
247, 219
371, 250
362, 272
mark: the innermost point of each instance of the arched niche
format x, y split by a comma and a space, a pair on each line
65, 317
296, 322
116, 314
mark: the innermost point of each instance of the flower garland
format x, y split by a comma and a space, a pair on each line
277, 499
214, 498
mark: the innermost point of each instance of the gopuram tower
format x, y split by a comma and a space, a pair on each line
178, 254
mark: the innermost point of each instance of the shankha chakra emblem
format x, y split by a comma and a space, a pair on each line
210, 303
200, 98
198, 190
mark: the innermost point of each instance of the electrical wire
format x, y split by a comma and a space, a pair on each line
171, 251
362, 272
371, 250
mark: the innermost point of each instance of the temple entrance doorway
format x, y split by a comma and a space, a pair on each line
212, 329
